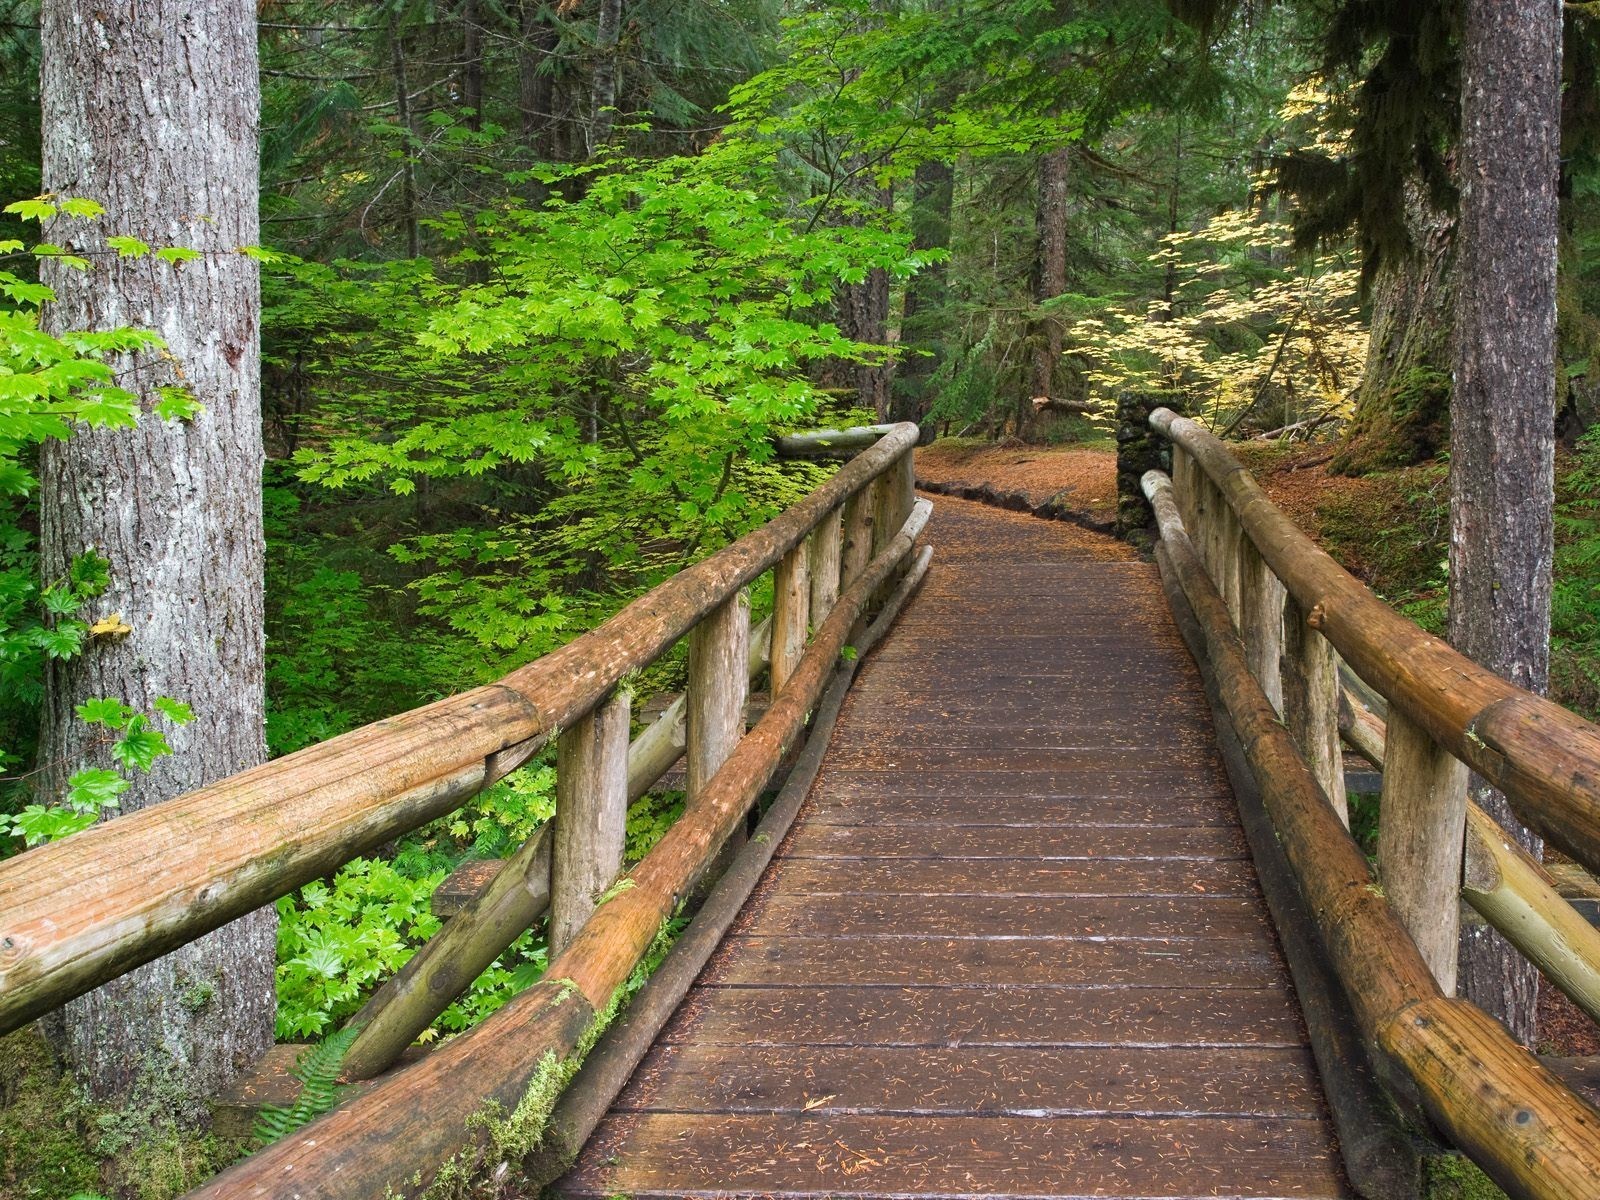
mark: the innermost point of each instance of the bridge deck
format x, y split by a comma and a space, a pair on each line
1013, 945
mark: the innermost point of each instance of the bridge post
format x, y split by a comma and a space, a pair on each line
1310, 689
827, 548
591, 815
1421, 836
1261, 599
791, 599
716, 694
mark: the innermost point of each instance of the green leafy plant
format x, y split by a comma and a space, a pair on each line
318, 1073
134, 746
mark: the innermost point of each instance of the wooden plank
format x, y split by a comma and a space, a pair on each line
1139, 782
990, 1080
955, 735
1173, 761
1011, 841
1018, 962
647, 1154
989, 1016
1011, 877
1224, 918
953, 808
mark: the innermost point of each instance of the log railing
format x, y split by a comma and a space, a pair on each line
84, 910
1274, 614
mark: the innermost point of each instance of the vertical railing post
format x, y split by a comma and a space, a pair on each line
859, 511
1421, 832
791, 600
718, 682
896, 493
1183, 488
591, 815
827, 549
1310, 690
1261, 620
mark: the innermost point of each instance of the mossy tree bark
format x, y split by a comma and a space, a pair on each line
152, 110
1403, 408
922, 325
1502, 441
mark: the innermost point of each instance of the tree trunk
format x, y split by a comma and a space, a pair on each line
152, 110
1403, 406
472, 63
864, 317
1049, 268
536, 83
408, 160
603, 95
922, 324
1502, 412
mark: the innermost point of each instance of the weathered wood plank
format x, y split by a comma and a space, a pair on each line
1010, 841
859, 807
989, 1080
1005, 877
777, 913
1017, 962
988, 1016
662, 1154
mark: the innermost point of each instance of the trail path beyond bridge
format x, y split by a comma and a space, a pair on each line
1013, 945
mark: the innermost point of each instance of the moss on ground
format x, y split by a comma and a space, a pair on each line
43, 1148
54, 1144
1452, 1177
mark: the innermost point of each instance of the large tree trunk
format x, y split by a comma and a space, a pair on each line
536, 81
603, 96
1403, 407
408, 156
152, 110
1049, 269
922, 324
1502, 412
472, 63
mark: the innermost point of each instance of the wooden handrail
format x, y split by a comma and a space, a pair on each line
1493, 1099
493, 1086
1544, 758
84, 910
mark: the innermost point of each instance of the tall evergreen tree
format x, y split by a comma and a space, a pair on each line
1502, 442
152, 111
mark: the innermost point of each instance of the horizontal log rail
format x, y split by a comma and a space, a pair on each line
490, 1090
1487, 1094
1544, 758
86, 909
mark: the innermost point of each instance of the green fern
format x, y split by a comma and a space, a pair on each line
318, 1072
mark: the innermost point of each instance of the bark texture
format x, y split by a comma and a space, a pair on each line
923, 322
1049, 269
536, 78
1403, 407
603, 95
1503, 408
152, 110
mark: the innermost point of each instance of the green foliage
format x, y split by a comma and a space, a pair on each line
318, 1072
1575, 605
337, 939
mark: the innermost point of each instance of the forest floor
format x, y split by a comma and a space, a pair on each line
1389, 529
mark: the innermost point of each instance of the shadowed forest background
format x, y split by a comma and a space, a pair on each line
540, 283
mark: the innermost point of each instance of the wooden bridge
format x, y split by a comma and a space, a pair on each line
1055, 897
